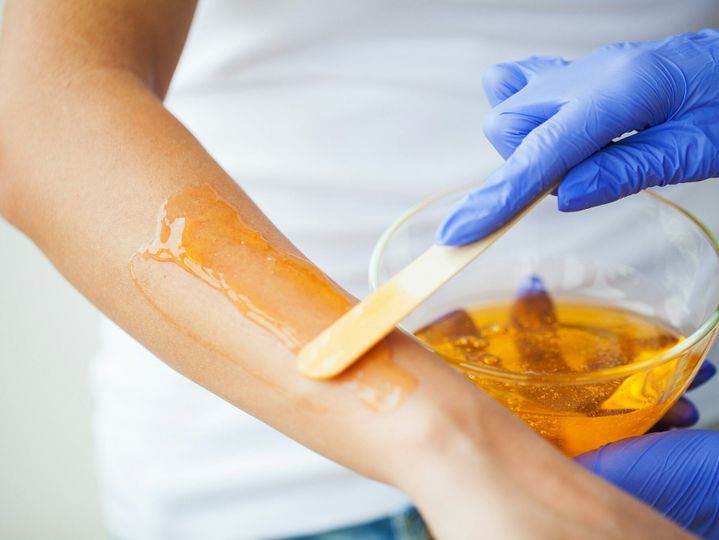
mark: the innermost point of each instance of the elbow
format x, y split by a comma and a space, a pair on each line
8, 194
14, 121
18, 154
7, 185
22, 117
4, 202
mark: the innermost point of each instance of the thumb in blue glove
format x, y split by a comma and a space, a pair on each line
552, 118
676, 473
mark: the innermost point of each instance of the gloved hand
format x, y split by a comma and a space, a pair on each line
552, 117
676, 473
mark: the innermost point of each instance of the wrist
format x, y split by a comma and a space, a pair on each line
470, 465
446, 423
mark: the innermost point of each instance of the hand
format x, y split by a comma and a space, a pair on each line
676, 473
552, 117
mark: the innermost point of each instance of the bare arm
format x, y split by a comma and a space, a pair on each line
88, 157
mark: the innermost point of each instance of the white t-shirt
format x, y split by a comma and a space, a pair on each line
334, 116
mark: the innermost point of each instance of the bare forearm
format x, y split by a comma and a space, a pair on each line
89, 165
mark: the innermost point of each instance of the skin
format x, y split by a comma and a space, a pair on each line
88, 154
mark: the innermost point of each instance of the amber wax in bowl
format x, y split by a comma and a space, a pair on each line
588, 325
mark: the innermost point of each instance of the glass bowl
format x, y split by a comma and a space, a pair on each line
642, 254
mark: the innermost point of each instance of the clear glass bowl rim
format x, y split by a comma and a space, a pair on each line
557, 378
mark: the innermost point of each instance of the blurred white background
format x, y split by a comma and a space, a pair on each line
47, 336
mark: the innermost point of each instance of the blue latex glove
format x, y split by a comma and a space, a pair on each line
676, 473
552, 117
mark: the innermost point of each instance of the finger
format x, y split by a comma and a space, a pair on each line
660, 427
661, 155
676, 473
541, 158
501, 81
571, 135
506, 79
533, 308
507, 127
682, 414
533, 319
706, 372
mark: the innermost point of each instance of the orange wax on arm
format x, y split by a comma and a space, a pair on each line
274, 288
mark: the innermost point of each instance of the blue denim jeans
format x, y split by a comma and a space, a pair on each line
407, 525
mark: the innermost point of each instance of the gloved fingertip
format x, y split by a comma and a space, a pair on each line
450, 235
589, 461
706, 372
585, 186
575, 194
460, 227
501, 81
682, 414
532, 284
571, 204
659, 427
455, 227
479, 214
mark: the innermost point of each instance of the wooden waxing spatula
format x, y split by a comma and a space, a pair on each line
365, 324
